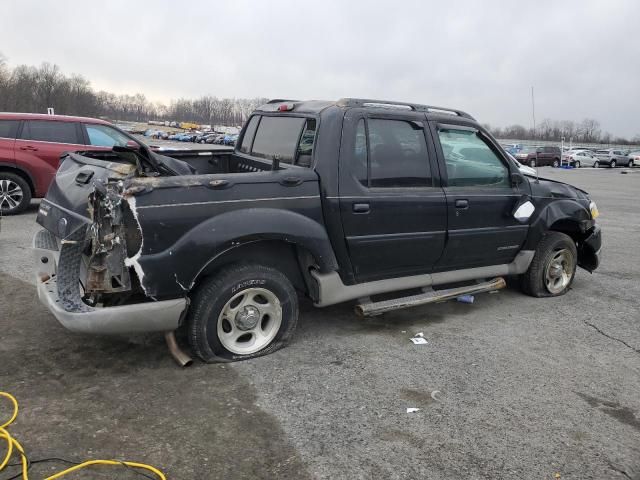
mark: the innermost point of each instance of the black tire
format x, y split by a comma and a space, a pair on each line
533, 281
613, 164
556, 163
532, 163
577, 164
630, 164
12, 204
212, 296
596, 164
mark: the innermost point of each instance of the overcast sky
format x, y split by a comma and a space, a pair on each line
582, 57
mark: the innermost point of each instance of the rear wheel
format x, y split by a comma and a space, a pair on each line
556, 163
596, 164
532, 163
15, 194
243, 312
630, 164
613, 164
553, 267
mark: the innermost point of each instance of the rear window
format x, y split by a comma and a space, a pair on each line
50, 131
277, 136
8, 128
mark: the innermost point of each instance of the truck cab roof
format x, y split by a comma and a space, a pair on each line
317, 106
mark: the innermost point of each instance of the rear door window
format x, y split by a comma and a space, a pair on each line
50, 131
398, 154
8, 128
277, 136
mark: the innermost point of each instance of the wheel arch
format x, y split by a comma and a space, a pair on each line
26, 176
260, 233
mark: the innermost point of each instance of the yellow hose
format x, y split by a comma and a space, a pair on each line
13, 443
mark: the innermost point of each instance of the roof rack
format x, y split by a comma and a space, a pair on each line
280, 100
365, 102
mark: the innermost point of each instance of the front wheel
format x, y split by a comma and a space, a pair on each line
553, 267
577, 164
556, 163
532, 163
243, 312
630, 164
613, 164
596, 164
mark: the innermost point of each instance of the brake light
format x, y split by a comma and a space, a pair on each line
285, 107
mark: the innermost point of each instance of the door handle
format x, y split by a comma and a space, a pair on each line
360, 208
30, 148
462, 204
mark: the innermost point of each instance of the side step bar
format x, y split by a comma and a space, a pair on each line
367, 309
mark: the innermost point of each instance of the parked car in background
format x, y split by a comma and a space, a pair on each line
30, 149
612, 158
634, 156
512, 148
579, 158
539, 156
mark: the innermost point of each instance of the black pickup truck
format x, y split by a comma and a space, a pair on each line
389, 204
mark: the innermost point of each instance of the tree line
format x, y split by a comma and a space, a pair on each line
34, 89
586, 131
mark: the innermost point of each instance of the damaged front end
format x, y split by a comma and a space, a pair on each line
87, 270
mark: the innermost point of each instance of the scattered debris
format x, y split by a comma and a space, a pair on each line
418, 339
433, 395
412, 410
466, 298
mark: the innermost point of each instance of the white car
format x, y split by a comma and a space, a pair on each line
580, 158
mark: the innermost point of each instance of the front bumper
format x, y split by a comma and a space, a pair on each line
160, 316
590, 249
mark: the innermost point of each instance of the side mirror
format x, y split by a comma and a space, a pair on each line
133, 145
516, 179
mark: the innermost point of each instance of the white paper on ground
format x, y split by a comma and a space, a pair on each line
412, 409
418, 341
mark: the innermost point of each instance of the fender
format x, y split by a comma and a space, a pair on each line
557, 210
173, 272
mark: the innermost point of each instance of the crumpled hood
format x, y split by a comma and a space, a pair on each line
546, 187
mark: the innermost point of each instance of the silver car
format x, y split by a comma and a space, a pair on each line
612, 158
580, 158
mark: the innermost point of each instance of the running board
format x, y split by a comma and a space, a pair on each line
367, 309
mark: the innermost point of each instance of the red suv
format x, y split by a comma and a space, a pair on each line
30, 149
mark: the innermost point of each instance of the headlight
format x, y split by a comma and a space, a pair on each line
594, 210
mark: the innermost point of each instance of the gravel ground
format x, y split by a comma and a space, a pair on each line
509, 387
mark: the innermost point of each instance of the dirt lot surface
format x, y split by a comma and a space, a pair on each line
509, 387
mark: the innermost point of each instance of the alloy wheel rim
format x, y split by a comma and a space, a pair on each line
558, 271
249, 321
11, 194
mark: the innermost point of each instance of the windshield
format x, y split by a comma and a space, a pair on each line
528, 150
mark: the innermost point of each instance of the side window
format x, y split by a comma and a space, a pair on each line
105, 136
277, 136
50, 131
305, 146
250, 131
398, 154
8, 128
469, 160
391, 153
